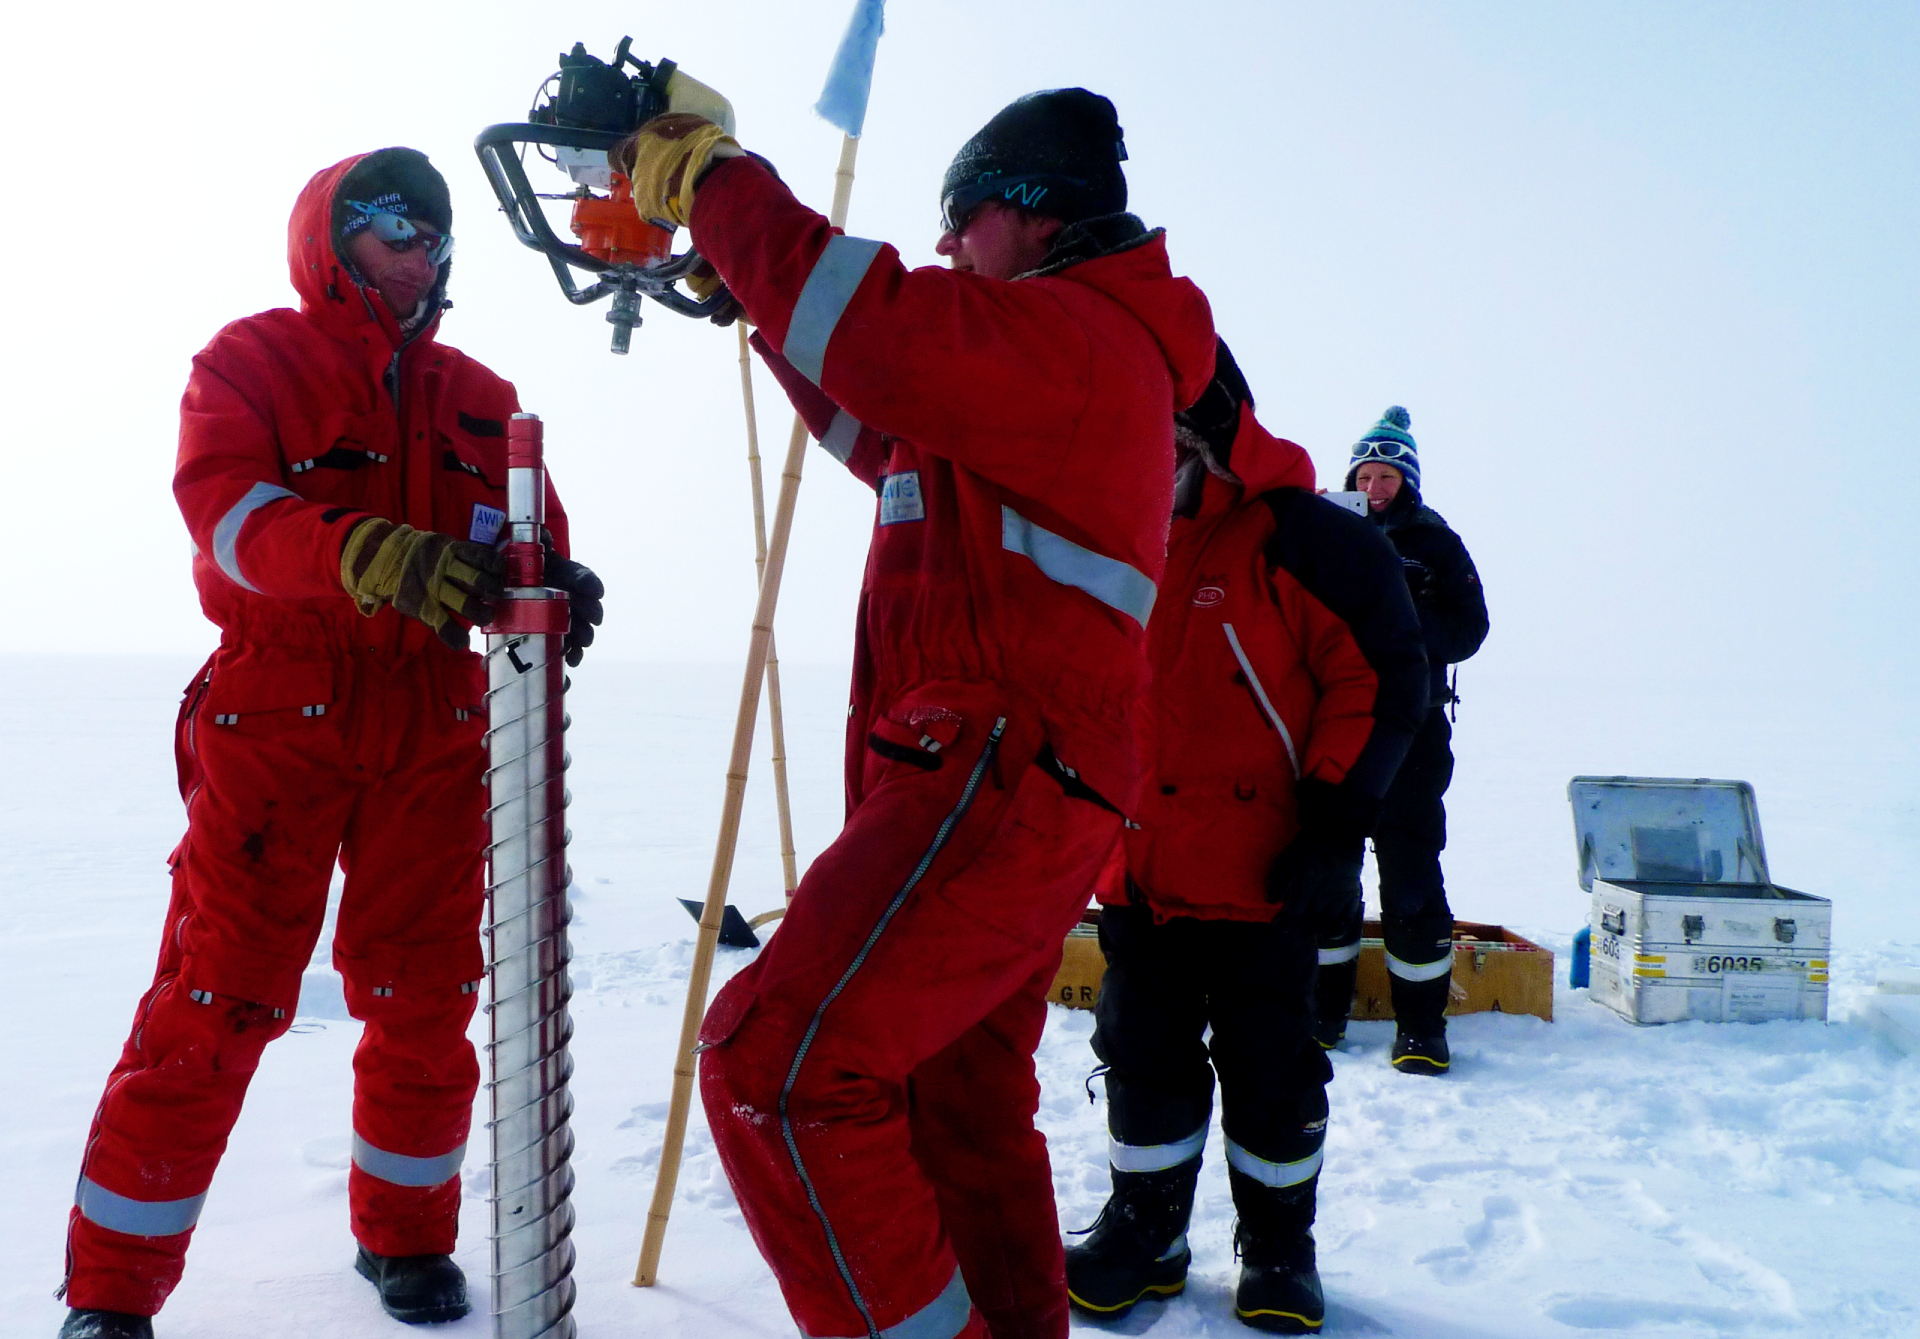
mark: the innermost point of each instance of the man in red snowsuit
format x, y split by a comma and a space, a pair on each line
869, 1078
337, 466
1289, 678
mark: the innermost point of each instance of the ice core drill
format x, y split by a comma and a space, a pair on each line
533, 1289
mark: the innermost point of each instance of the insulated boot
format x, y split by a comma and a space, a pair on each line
1279, 1288
1329, 1017
1334, 976
88, 1324
1417, 945
1137, 1247
1414, 1054
416, 1289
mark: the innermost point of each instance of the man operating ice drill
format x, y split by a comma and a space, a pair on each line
869, 1078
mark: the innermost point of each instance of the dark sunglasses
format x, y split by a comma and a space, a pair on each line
402, 234
1027, 190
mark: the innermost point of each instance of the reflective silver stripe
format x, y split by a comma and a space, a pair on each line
1155, 1157
1273, 1173
1419, 971
823, 300
1344, 953
136, 1218
227, 533
1259, 691
842, 433
942, 1318
1107, 580
400, 1170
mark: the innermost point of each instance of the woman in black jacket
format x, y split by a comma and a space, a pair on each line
1416, 921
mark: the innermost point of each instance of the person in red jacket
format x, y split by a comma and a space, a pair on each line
338, 468
1289, 678
869, 1077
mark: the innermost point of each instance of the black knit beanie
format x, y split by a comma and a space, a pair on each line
1056, 153
395, 181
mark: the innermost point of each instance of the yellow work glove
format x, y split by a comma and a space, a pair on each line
432, 577
665, 159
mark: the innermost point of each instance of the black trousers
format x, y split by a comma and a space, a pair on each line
1252, 983
1412, 830
1416, 922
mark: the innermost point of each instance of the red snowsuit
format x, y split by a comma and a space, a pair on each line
312, 734
1259, 619
1276, 604
869, 1078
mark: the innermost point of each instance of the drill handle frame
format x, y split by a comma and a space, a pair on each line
498, 146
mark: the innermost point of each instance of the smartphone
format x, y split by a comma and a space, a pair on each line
1353, 502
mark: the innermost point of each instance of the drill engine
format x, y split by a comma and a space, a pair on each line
581, 112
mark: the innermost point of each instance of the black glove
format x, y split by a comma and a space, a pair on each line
1316, 879
1419, 579
584, 591
1316, 885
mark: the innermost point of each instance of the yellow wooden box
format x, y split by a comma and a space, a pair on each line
1494, 970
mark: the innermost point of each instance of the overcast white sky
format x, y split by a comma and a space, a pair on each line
1644, 274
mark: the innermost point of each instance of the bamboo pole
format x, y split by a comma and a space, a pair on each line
775, 719
758, 646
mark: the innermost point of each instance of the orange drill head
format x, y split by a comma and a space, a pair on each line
610, 229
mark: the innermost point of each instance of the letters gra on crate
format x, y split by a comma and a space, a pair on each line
1687, 922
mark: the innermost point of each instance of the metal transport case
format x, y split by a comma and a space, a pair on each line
1687, 922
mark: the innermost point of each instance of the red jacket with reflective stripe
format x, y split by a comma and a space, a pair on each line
1019, 435
294, 426
1277, 603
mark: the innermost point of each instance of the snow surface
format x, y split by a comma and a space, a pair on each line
1568, 1178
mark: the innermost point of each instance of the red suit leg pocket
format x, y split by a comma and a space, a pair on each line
727, 1012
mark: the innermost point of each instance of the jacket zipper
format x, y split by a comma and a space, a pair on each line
1260, 695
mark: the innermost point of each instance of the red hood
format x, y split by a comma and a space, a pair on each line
328, 291
1261, 461
1174, 310
1264, 461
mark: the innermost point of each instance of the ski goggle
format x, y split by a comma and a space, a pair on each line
1026, 190
1383, 450
402, 234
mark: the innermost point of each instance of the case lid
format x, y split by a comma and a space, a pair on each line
1666, 830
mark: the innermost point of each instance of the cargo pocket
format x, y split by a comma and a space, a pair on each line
249, 689
915, 736
463, 686
727, 1012
470, 478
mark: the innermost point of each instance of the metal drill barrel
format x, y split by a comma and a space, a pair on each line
533, 1290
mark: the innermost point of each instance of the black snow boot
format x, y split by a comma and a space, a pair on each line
416, 1289
87, 1324
1279, 1289
1415, 1054
1137, 1247
1332, 1002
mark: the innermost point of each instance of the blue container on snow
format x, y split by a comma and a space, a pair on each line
1582, 957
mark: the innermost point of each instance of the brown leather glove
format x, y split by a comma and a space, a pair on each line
425, 575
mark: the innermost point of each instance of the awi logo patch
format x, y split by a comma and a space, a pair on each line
900, 498
487, 523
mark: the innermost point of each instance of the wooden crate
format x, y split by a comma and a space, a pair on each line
1494, 970
1082, 964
